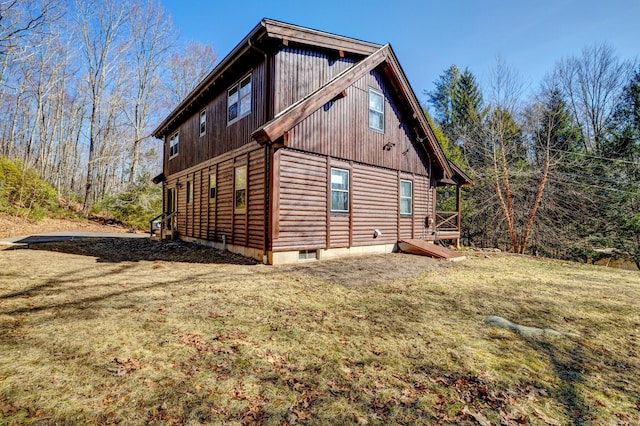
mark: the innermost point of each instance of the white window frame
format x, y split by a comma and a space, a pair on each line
237, 209
173, 145
373, 91
348, 172
404, 197
238, 101
203, 122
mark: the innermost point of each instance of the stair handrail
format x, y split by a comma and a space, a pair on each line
164, 216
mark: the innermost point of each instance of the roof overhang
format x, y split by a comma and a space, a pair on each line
160, 178
275, 30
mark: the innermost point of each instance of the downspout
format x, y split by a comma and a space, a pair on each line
267, 152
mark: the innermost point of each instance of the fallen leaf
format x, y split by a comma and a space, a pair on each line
477, 416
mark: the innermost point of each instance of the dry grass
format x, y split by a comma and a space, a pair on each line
88, 340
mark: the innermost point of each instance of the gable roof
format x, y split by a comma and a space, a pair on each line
385, 57
274, 30
371, 56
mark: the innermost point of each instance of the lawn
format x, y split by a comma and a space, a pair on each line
118, 332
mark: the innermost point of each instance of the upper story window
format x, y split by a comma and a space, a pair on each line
339, 190
203, 122
406, 197
239, 100
376, 111
173, 145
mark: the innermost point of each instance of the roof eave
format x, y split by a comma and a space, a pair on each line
210, 78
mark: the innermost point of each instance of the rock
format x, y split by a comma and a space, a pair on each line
496, 321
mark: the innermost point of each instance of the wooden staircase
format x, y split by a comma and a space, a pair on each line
426, 248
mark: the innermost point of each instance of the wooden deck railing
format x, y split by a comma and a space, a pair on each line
447, 222
167, 221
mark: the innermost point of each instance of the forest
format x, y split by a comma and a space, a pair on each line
557, 168
556, 163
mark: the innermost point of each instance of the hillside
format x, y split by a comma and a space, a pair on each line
11, 226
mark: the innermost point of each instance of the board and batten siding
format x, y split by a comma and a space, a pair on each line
212, 219
303, 218
219, 138
298, 72
341, 129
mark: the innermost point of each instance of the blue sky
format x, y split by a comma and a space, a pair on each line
428, 36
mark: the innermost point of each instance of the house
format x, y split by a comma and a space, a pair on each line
302, 144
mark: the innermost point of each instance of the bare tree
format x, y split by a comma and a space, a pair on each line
592, 84
151, 34
186, 69
19, 18
99, 24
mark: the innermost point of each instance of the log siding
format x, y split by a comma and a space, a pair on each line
217, 219
304, 217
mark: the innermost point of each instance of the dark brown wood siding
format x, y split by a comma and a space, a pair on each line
341, 129
304, 218
302, 202
212, 219
220, 137
298, 72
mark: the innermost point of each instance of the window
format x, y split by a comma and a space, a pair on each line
240, 185
339, 190
212, 188
376, 111
189, 192
307, 254
239, 100
203, 122
173, 145
406, 197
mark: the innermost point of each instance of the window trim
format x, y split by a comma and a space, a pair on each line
213, 178
174, 141
189, 192
239, 100
382, 112
348, 190
203, 123
410, 198
236, 189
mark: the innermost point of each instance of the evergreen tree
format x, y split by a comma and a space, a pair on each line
442, 98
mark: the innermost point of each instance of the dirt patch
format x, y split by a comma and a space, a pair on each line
366, 270
11, 226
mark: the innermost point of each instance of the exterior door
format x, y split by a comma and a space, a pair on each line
171, 204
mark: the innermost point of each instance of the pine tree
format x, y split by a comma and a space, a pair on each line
442, 98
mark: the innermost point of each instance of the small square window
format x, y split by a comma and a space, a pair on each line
203, 122
308, 255
376, 110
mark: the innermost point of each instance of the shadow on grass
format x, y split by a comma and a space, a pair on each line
75, 300
568, 366
113, 250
